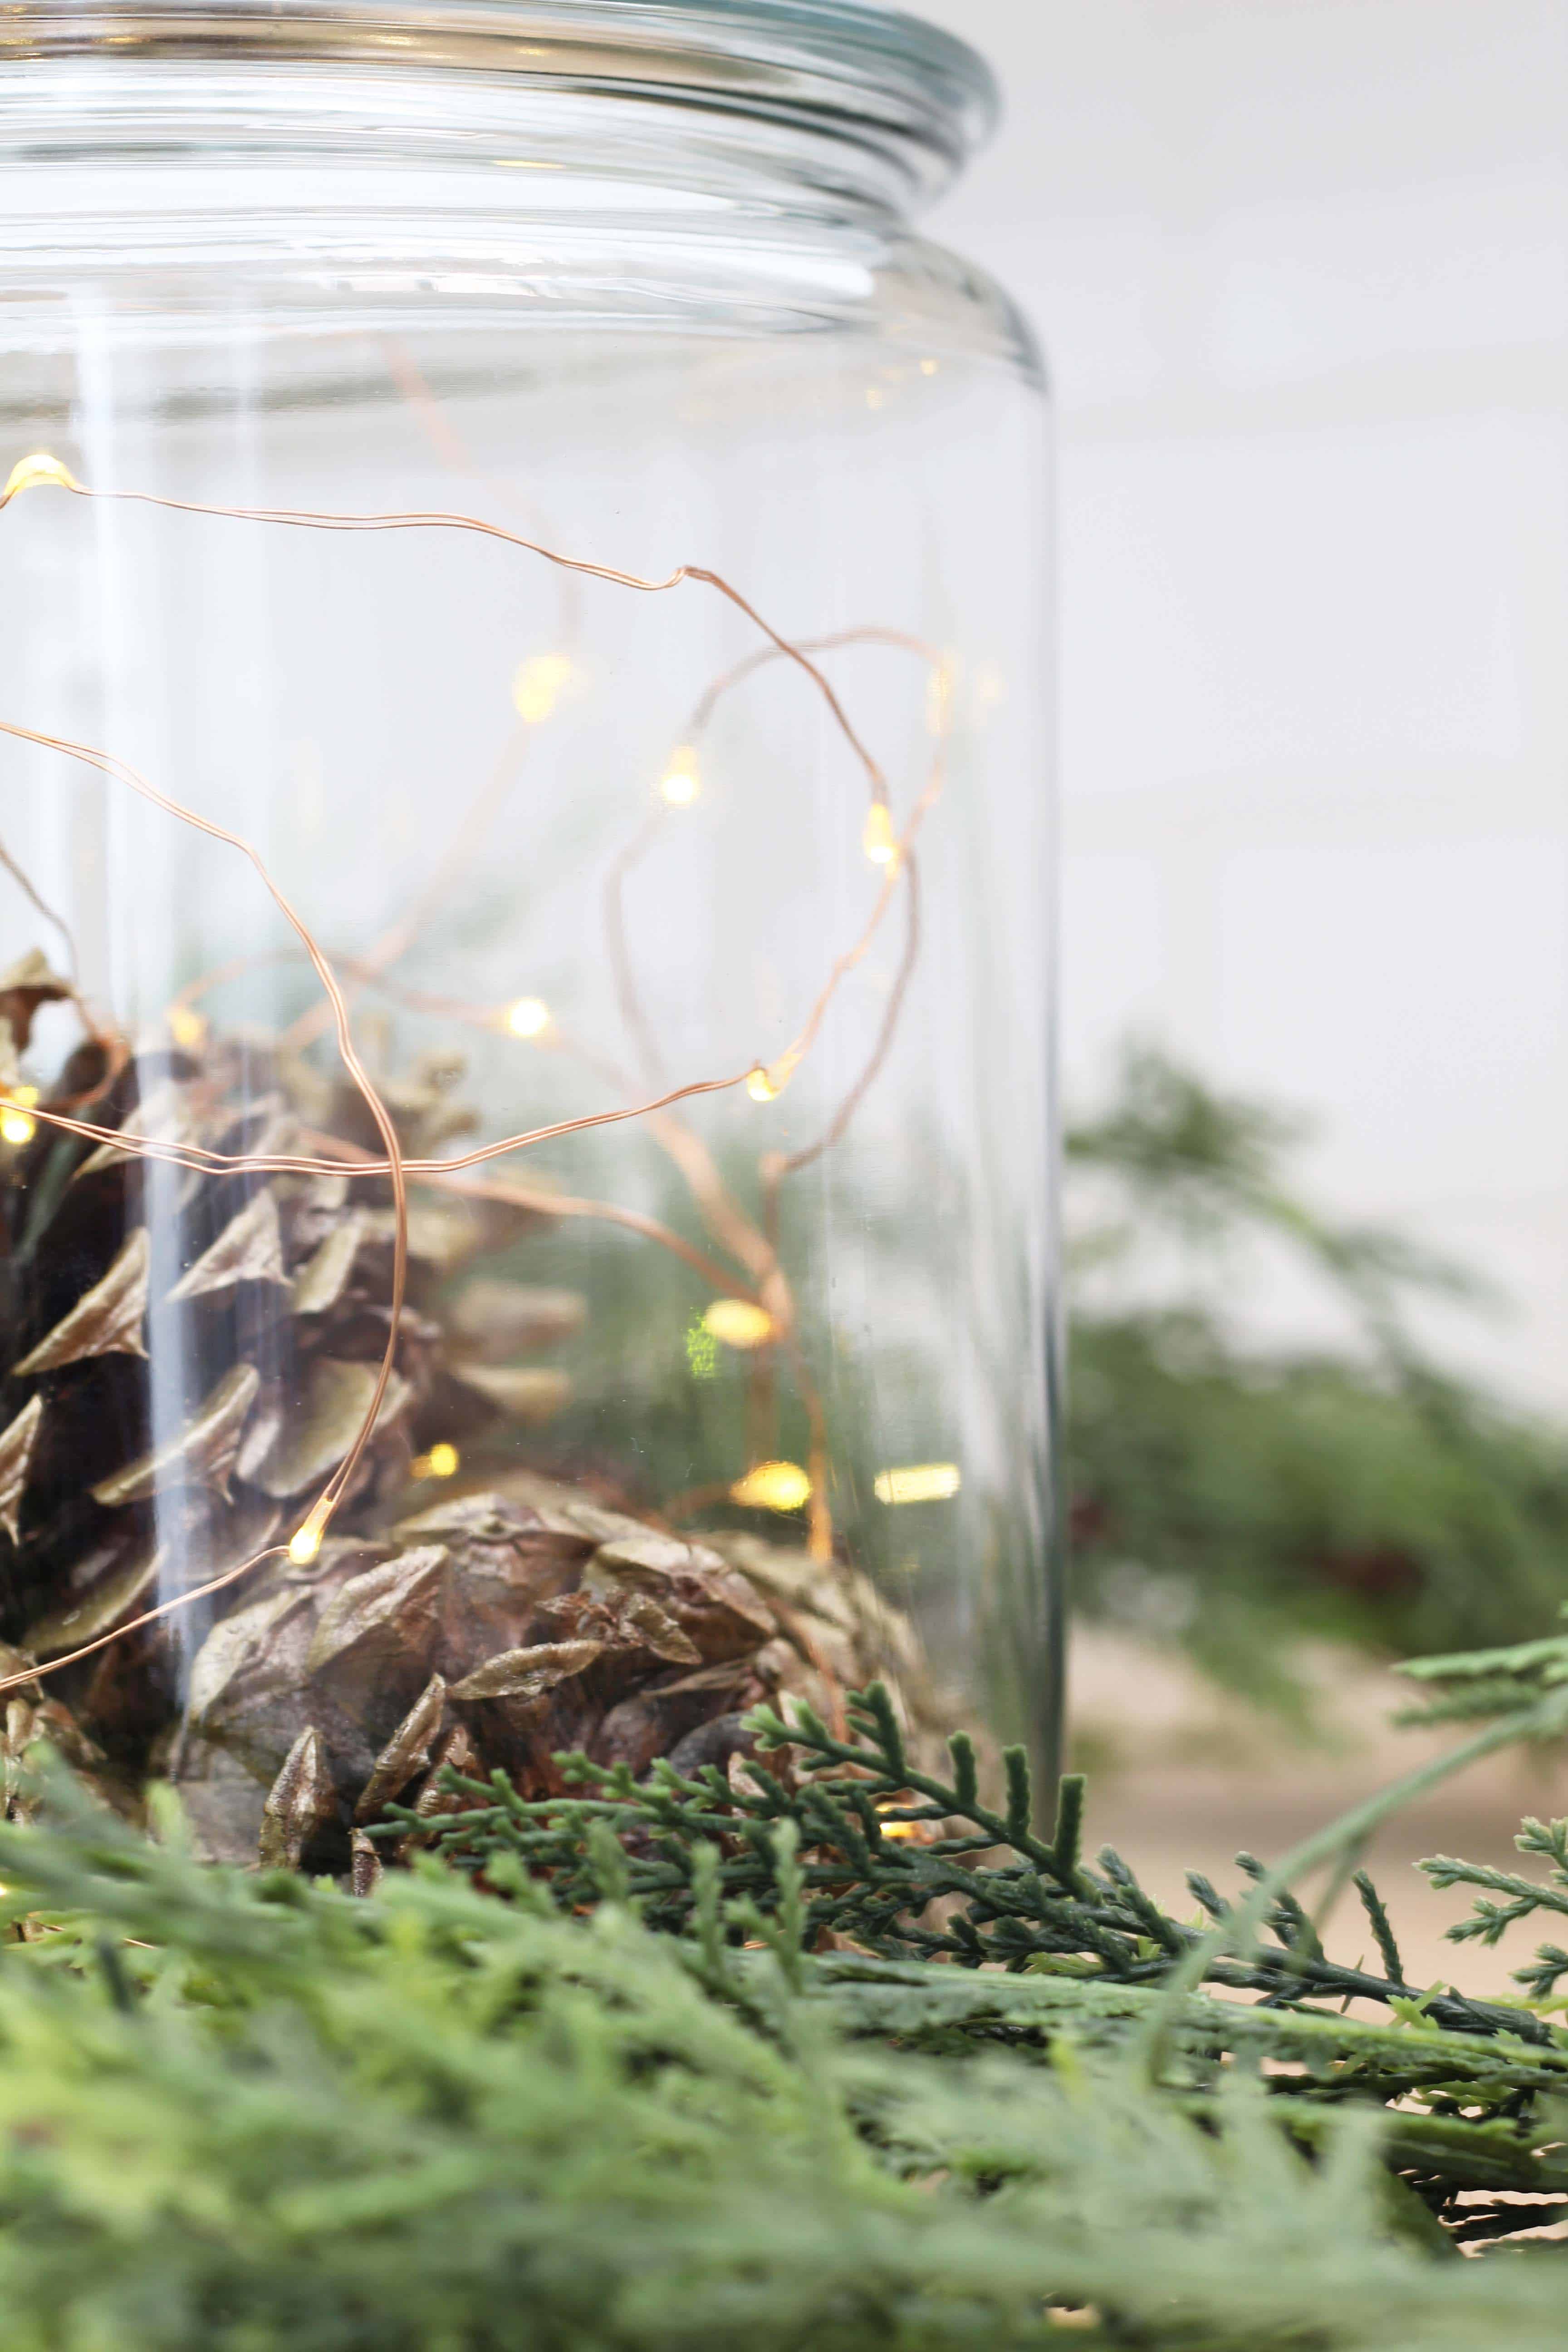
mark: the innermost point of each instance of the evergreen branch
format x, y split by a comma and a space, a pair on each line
1381, 1929
437, 2118
1265, 1496
1473, 1686
848, 1878
1541, 1977
1490, 1921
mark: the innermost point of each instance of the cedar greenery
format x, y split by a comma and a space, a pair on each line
593, 2091
1236, 1499
1042, 1907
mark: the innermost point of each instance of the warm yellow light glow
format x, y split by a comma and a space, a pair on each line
538, 685
681, 781
903, 1833
773, 1486
37, 472
766, 1081
16, 1126
922, 1481
928, 367
187, 1027
529, 1017
877, 839
441, 1461
306, 1541
873, 397
738, 1323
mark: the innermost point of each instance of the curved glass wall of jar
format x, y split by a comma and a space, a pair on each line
525, 1140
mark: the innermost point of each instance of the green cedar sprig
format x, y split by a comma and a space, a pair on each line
1488, 1921
1479, 1686
902, 1863
436, 2121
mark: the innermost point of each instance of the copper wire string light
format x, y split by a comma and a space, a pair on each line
24, 883
763, 1292
306, 1541
759, 1247
43, 471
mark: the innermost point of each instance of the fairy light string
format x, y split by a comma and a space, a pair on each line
25, 884
766, 1292
759, 1248
306, 1541
42, 471
533, 704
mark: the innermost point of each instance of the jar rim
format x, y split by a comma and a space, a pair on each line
856, 67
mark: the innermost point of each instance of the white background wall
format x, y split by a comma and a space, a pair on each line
1301, 268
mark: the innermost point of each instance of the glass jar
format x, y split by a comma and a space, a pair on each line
526, 1136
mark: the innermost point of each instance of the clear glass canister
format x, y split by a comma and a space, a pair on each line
525, 991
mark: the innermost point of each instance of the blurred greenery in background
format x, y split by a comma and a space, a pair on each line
1236, 1499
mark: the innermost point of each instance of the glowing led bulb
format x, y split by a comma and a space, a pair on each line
920, 1482
187, 1027
877, 839
16, 1126
680, 782
738, 1323
538, 685
38, 472
306, 1541
773, 1486
766, 1081
441, 1461
529, 1017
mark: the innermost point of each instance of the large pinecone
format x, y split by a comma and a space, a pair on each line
499, 1629
495, 1629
